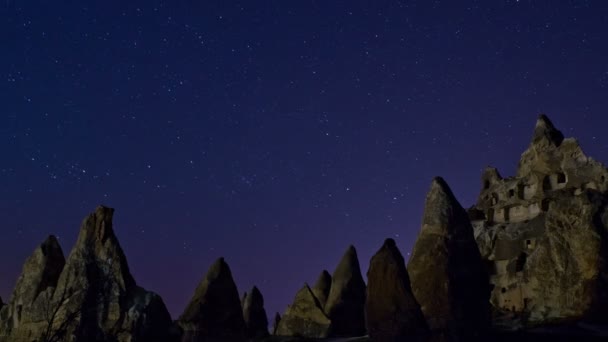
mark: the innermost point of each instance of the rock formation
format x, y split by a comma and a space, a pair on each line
446, 270
93, 298
392, 312
256, 322
277, 320
334, 307
96, 283
28, 311
304, 317
543, 233
322, 287
345, 305
214, 312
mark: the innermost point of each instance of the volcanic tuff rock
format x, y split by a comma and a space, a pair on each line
543, 232
392, 312
27, 311
446, 270
94, 297
345, 305
256, 322
304, 318
215, 309
568, 274
322, 287
96, 283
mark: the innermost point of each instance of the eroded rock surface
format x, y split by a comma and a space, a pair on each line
392, 312
99, 292
446, 270
214, 312
29, 309
256, 321
94, 298
566, 274
542, 233
304, 317
345, 305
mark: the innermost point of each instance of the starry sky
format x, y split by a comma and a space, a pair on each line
275, 133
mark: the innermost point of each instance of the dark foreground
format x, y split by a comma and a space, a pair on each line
578, 333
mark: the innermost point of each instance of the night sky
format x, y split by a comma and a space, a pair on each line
275, 133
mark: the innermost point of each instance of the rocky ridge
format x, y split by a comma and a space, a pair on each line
534, 247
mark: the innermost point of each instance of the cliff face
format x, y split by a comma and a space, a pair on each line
542, 233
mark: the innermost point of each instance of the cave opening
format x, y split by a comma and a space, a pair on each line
521, 260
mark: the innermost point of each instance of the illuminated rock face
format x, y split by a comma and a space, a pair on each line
304, 317
24, 315
91, 296
542, 233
